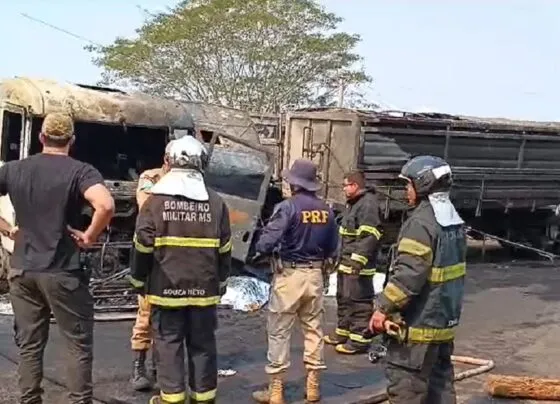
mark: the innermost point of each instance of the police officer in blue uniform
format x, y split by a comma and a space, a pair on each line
303, 233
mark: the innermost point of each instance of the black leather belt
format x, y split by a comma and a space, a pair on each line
308, 264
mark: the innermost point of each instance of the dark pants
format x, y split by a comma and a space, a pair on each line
194, 327
354, 298
67, 295
420, 374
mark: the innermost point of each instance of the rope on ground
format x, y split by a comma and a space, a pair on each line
484, 365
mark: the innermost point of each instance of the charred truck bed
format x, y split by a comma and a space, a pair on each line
506, 173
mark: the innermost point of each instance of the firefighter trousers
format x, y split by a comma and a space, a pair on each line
195, 328
295, 293
420, 373
141, 339
354, 299
34, 296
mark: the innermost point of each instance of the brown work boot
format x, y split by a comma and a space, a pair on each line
140, 380
274, 394
312, 387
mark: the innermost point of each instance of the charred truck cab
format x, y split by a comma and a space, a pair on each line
122, 135
119, 134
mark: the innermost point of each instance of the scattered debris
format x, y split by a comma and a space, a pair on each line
226, 372
377, 352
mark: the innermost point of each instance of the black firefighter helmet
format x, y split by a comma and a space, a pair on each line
428, 174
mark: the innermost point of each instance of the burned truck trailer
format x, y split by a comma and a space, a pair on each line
122, 135
506, 173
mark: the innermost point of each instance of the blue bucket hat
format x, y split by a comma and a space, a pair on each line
303, 173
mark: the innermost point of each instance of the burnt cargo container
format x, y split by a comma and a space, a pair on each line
506, 173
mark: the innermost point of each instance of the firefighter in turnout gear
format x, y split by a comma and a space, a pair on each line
182, 250
302, 234
360, 232
141, 340
422, 301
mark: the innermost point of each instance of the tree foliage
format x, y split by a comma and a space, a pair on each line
250, 54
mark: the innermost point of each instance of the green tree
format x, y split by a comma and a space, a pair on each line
250, 54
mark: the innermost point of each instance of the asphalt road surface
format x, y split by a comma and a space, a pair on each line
511, 315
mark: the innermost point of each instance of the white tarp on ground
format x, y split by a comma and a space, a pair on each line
378, 280
246, 293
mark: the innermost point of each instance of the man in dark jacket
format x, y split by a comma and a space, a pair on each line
422, 301
182, 249
360, 232
302, 231
48, 191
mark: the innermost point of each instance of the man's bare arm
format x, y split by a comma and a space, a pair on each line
104, 208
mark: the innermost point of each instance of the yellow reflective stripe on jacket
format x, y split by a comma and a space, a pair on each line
343, 231
449, 273
369, 229
186, 242
395, 294
227, 247
207, 396
345, 269
426, 335
140, 247
359, 258
173, 397
183, 301
413, 247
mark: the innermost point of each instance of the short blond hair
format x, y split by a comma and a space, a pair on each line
58, 126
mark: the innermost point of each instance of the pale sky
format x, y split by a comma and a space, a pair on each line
486, 58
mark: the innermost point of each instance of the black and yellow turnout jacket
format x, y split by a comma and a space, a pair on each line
360, 232
427, 284
182, 250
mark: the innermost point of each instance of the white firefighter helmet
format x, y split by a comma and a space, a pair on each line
187, 158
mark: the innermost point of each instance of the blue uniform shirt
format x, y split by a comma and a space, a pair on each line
304, 229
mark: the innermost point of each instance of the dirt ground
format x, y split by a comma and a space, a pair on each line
511, 315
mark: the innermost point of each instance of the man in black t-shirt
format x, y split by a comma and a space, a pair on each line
48, 191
